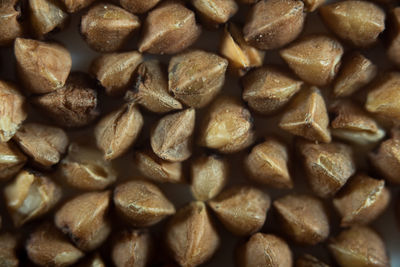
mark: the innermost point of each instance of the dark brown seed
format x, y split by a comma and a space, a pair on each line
76, 5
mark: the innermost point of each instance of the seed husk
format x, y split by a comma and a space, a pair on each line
215, 12
138, 6
10, 26
306, 260
11, 160
73, 6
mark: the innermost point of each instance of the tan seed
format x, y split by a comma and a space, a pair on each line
8, 246
10, 27
76, 5
138, 6
215, 11
11, 160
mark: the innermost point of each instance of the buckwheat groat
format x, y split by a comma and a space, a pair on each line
307, 260
76, 5
215, 11
393, 51
11, 160
10, 26
138, 6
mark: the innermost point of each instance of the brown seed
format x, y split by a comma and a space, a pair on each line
138, 6
328, 166
171, 137
241, 56
42, 67
267, 164
215, 11
156, 169
132, 248
315, 58
11, 160
29, 196
76, 5
46, 16
114, 71
116, 132
227, 126
83, 218
241, 209
306, 260
312, 5
267, 89
264, 250
44, 144
151, 89
303, 218
307, 116
106, 27
169, 29
359, 246
356, 72
191, 236
47, 246
142, 203
74, 105
209, 176
10, 26
274, 23
358, 22
196, 77
393, 51
85, 168
362, 200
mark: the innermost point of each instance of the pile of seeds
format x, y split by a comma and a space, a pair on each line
95, 166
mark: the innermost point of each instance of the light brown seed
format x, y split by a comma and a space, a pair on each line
151, 89
196, 77
359, 246
138, 6
268, 89
116, 132
47, 246
142, 203
264, 250
306, 260
46, 16
11, 160
106, 27
114, 71
241, 56
328, 166
84, 219
362, 200
8, 246
44, 144
171, 137
42, 67
393, 50
169, 29
132, 248
74, 105
303, 218
239, 218
267, 164
10, 26
358, 22
29, 196
312, 5
85, 168
227, 126
76, 5
215, 11
191, 236
274, 23
209, 175
307, 116
315, 58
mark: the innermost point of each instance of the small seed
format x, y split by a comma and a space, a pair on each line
142, 203
358, 22
76, 5
114, 71
47, 246
106, 27
196, 77
328, 166
303, 218
74, 105
116, 132
138, 6
238, 218
10, 26
267, 89
315, 58
227, 126
44, 144
132, 248
171, 137
307, 116
215, 11
84, 168
83, 218
312, 5
29, 196
393, 51
42, 67
209, 175
307, 260
11, 160
359, 246
264, 250
169, 29
191, 236
274, 23
151, 89
8, 246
